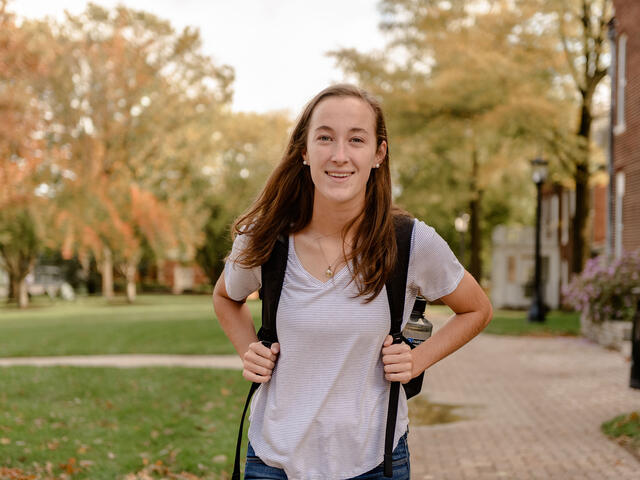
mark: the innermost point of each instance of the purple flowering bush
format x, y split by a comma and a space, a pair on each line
603, 291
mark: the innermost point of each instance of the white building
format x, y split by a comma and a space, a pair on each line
513, 267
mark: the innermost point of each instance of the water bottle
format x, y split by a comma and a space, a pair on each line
418, 328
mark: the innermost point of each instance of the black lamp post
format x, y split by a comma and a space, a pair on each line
539, 174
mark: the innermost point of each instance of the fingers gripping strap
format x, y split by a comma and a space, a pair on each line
396, 286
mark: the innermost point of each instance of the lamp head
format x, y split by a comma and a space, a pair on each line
539, 170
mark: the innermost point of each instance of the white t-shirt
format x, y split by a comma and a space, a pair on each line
323, 413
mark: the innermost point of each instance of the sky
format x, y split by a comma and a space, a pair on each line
276, 47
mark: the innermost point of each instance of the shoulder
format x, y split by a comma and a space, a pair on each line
240, 243
434, 269
423, 234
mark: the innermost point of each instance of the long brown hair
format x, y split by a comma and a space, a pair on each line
285, 205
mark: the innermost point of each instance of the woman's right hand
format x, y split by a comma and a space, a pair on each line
258, 362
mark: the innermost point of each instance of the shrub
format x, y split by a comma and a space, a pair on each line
603, 291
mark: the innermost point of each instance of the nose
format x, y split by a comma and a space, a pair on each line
339, 152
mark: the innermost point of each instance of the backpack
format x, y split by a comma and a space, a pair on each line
273, 272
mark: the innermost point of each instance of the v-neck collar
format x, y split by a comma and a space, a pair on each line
314, 279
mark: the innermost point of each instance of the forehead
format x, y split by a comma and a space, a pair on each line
343, 112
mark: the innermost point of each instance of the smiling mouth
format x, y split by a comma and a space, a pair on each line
339, 174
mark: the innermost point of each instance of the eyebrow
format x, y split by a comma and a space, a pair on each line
354, 129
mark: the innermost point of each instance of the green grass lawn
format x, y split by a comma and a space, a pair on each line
103, 423
172, 324
625, 429
513, 322
154, 324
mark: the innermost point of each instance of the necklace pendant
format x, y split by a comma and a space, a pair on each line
328, 273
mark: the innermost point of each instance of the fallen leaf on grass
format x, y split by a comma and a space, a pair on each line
225, 392
70, 467
53, 445
5, 441
158, 470
14, 474
219, 459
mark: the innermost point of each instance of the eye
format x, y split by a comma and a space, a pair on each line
324, 138
357, 140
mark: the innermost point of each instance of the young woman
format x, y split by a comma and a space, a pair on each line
320, 412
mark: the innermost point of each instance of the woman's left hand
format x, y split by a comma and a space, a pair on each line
397, 360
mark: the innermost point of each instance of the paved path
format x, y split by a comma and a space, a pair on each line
130, 361
534, 408
533, 405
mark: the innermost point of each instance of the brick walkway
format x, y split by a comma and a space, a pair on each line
534, 408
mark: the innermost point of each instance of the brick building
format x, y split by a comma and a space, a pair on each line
626, 127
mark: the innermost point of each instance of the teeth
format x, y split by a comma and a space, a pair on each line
339, 175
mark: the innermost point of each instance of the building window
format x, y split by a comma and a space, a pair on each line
620, 184
621, 83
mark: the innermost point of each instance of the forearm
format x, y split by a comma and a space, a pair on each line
236, 322
458, 330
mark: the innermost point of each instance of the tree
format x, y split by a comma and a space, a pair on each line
468, 88
23, 162
581, 26
249, 146
135, 102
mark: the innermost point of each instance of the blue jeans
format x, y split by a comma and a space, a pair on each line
256, 469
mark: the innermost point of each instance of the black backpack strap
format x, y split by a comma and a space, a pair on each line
396, 286
272, 279
397, 282
236, 464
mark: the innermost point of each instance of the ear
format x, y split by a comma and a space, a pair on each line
381, 152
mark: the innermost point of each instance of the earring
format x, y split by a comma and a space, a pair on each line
377, 165
304, 162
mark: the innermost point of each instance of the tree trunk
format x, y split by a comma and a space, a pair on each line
475, 265
107, 273
581, 178
130, 269
85, 266
23, 294
475, 207
14, 287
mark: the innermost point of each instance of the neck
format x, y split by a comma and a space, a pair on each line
331, 219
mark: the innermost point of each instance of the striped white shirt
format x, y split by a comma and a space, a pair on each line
323, 413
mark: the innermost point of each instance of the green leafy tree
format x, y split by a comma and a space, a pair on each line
249, 146
470, 96
581, 27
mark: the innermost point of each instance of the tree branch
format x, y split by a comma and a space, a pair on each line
567, 52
